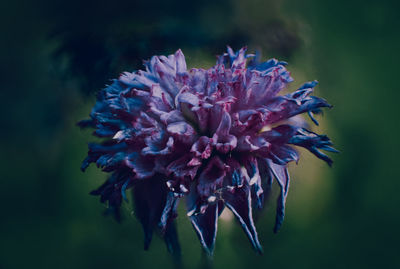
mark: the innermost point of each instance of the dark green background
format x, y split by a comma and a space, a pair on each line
54, 55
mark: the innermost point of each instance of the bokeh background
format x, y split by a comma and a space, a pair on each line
55, 55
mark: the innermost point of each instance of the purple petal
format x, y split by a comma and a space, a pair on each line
165, 99
202, 148
143, 166
180, 168
283, 154
139, 80
182, 131
180, 62
234, 176
281, 175
171, 117
150, 199
255, 182
239, 202
224, 142
169, 211
206, 225
158, 144
211, 177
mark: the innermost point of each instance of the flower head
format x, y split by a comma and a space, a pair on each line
217, 137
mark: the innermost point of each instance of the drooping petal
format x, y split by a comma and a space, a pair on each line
169, 211
152, 207
205, 225
255, 182
172, 241
113, 191
238, 200
281, 175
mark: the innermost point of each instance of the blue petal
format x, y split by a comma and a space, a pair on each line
171, 240
308, 85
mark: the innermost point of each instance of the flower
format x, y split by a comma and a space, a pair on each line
216, 136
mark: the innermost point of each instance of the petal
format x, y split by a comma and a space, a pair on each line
166, 75
158, 144
282, 154
281, 175
180, 62
238, 59
150, 198
211, 177
255, 182
206, 225
224, 142
106, 155
313, 142
280, 134
169, 211
139, 80
202, 147
171, 117
113, 190
180, 129
172, 241
238, 200
180, 168
143, 166
287, 106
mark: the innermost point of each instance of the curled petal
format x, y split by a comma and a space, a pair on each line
106, 155
180, 168
202, 148
211, 177
313, 142
158, 144
224, 142
182, 131
141, 165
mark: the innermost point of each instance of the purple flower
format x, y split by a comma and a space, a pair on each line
217, 137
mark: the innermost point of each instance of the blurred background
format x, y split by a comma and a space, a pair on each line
55, 55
